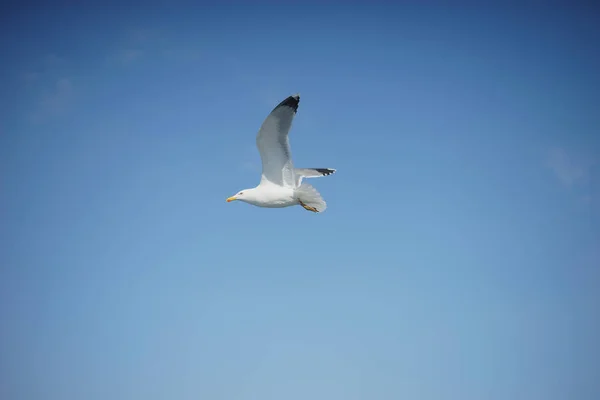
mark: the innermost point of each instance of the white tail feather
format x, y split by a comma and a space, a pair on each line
310, 197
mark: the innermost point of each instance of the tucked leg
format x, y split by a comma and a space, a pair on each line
309, 208
309, 198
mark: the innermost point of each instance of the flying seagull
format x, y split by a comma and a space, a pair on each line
281, 184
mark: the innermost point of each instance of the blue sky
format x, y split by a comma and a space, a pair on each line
459, 255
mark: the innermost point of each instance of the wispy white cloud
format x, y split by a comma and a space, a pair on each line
149, 44
49, 86
142, 36
125, 56
131, 47
569, 170
54, 60
45, 67
138, 44
182, 53
54, 102
130, 55
587, 262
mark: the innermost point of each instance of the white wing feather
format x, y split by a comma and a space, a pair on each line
273, 144
311, 173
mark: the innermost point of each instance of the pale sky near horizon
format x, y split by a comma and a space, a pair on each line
459, 257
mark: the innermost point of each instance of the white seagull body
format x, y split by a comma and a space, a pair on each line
281, 184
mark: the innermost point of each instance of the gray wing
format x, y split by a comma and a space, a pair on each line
273, 144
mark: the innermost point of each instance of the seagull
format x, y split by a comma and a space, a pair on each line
281, 184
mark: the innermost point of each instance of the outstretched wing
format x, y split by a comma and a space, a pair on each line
273, 144
311, 173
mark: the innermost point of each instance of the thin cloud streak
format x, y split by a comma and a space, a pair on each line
56, 102
568, 170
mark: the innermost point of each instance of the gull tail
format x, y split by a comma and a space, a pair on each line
311, 173
310, 199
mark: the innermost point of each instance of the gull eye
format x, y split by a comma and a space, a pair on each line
241, 192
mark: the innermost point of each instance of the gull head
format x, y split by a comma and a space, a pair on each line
246, 195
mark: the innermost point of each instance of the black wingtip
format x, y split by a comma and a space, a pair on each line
326, 171
291, 101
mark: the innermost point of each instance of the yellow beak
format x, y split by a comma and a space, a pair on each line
232, 198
